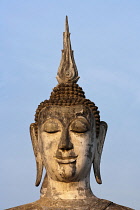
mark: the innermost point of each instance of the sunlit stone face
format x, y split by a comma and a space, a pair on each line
67, 141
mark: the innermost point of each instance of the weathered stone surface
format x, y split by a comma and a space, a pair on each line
66, 145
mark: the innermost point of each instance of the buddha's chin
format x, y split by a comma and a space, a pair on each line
67, 172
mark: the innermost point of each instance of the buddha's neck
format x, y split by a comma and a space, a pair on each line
71, 190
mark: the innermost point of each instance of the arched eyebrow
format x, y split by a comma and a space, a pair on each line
84, 113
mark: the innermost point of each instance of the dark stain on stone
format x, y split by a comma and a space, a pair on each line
89, 152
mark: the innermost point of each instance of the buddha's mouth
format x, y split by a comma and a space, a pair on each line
66, 160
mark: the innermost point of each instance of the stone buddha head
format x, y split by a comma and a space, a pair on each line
67, 135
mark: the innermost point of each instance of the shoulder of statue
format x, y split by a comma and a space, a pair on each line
93, 204
29, 206
103, 204
113, 206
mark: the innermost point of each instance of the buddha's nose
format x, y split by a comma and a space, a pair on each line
65, 141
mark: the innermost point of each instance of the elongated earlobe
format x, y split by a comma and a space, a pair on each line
98, 152
39, 163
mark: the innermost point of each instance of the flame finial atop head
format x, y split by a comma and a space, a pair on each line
67, 71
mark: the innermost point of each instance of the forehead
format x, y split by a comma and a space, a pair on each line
65, 113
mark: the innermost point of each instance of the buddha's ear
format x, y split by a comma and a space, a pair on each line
98, 151
39, 163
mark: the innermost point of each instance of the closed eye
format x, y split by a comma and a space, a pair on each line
79, 130
51, 131
51, 126
79, 126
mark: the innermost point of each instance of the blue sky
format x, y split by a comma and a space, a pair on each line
105, 38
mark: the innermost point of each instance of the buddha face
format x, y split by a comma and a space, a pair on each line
67, 141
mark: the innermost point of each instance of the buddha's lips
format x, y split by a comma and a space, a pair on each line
64, 160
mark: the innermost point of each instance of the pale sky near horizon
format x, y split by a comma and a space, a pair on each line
105, 37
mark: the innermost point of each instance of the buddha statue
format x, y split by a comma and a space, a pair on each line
67, 138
